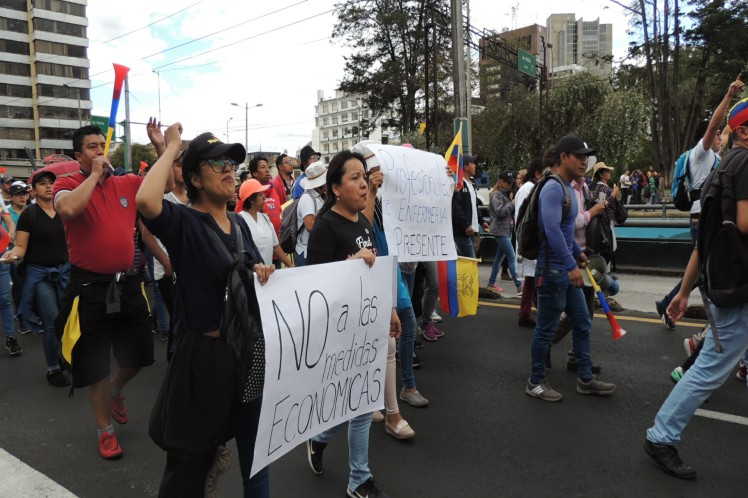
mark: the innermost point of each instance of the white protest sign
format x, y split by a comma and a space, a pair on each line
416, 204
326, 329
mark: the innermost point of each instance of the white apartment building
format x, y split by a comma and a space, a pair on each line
344, 120
44, 80
576, 43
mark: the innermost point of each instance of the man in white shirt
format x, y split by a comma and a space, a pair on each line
309, 205
701, 159
465, 212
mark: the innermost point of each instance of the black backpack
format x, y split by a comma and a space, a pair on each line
289, 230
723, 249
528, 228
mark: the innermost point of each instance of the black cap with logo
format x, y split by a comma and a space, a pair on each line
207, 146
571, 144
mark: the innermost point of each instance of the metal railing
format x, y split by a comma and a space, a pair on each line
651, 207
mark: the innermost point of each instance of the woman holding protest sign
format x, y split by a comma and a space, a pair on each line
341, 232
213, 387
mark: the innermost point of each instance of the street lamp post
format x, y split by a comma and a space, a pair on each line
227, 129
246, 122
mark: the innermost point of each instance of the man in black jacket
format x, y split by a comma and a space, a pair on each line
465, 212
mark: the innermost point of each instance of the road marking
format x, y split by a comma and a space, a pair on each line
698, 325
22, 481
724, 417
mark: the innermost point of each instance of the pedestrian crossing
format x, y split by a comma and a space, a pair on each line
22, 481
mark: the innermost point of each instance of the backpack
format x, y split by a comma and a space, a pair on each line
683, 195
289, 230
528, 227
723, 251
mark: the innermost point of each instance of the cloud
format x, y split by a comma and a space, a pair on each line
282, 70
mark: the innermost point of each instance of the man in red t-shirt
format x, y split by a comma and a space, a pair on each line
260, 171
283, 182
104, 310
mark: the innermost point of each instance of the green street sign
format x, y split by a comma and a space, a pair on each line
526, 63
103, 123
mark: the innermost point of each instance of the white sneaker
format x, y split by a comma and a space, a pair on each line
436, 317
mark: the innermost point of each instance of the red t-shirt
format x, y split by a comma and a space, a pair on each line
273, 209
279, 185
101, 238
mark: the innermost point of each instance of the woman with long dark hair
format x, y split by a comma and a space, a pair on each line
342, 232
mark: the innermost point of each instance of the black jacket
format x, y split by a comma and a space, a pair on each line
462, 210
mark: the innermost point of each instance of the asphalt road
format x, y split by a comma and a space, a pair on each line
480, 438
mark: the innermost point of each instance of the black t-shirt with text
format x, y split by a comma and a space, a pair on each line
47, 245
334, 238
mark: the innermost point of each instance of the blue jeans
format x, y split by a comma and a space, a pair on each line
6, 302
675, 290
246, 433
465, 246
358, 448
708, 373
407, 346
44, 286
504, 249
555, 295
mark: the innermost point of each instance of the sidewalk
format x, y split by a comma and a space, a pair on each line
638, 292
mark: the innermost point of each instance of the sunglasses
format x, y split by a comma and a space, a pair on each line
221, 165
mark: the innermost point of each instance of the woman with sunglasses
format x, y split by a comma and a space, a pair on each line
342, 232
213, 388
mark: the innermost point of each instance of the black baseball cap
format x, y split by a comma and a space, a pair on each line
571, 144
36, 177
207, 146
507, 177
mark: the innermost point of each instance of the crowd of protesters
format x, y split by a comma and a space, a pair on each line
99, 264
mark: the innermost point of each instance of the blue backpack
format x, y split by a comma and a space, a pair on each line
683, 195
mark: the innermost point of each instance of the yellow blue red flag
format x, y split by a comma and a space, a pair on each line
455, 161
120, 73
458, 286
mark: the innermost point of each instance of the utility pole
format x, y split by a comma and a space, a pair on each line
467, 139
458, 76
426, 85
158, 79
128, 137
246, 127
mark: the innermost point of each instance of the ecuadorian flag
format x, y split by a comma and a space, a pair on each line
458, 286
120, 73
453, 157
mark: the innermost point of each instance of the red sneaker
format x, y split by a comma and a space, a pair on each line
109, 447
119, 411
430, 332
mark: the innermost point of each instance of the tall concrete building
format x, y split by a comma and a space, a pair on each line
580, 44
44, 80
343, 120
496, 78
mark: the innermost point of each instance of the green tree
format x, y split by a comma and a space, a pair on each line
140, 152
391, 40
686, 70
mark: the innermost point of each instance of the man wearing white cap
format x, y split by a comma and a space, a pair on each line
309, 205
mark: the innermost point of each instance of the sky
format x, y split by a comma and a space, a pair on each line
277, 54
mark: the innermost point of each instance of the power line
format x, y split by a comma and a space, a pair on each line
244, 39
223, 30
151, 24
